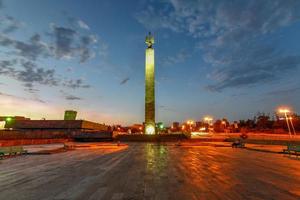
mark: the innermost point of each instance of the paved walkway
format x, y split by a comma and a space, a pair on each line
149, 171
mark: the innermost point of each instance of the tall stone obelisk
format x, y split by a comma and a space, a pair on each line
149, 87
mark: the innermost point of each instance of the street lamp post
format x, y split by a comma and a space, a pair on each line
291, 119
285, 111
209, 121
190, 124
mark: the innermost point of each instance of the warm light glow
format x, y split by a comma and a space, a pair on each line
202, 129
198, 133
183, 127
190, 122
208, 118
284, 110
150, 130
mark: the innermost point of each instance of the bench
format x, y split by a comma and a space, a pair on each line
238, 144
10, 151
292, 149
69, 145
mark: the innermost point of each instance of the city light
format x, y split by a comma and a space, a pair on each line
208, 119
285, 111
150, 130
202, 129
190, 122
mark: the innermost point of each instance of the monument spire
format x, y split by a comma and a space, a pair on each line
149, 87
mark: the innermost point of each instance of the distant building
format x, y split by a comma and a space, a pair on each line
75, 125
12, 118
136, 128
70, 115
175, 126
200, 124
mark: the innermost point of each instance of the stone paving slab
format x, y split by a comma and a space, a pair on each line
266, 148
151, 171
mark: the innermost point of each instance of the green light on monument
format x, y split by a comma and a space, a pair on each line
161, 126
8, 119
149, 87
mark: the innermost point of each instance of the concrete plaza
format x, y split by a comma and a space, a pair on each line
151, 171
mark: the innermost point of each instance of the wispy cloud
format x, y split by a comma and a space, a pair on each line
59, 42
9, 24
284, 92
30, 74
233, 36
22, 98
124, 81
180, 57
74, 84
70, 97
83, 25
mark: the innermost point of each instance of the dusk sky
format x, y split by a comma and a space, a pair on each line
213, 57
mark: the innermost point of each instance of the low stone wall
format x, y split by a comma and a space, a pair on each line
36, 134
21, 142
151, 138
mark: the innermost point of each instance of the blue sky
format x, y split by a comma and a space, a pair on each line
213, 57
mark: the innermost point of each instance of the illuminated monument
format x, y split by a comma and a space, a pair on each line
149, 87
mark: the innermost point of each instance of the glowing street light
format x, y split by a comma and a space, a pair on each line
285, 111
183, 127
190, 122
208, 119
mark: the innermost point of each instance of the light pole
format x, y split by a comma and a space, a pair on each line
190, 123
291, 119
209, 121
285, 111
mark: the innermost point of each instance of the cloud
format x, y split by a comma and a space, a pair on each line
181, 56
166, 108
249, 65
9, 24
74, 84
64, 38
103, 50
85, 52
30, 74
72, 98
30, 50
233, 36
65, 42
70, 43
124, 81
284, 92
33, 49
83, 25
21, 98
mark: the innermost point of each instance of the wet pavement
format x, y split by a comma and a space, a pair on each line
151, 171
